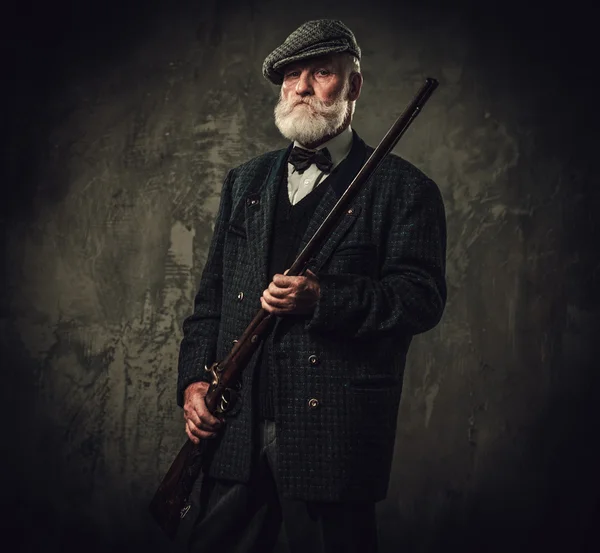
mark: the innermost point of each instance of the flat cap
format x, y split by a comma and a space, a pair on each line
311, 39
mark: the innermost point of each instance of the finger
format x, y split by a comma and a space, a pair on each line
279, 303
190, 414
205, 416
207, 425
270, 308
209, 422
191, 436
311, 275
284, 281
199, 432
196, 434
265, 305
292, 283
277, 291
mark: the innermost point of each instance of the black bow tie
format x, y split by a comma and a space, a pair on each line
302, 159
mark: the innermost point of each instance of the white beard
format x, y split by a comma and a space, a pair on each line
314, 120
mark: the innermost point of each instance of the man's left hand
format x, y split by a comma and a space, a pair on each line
291, 295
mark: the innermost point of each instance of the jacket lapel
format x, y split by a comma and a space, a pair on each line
260, 211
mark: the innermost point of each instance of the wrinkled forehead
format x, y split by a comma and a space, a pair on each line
328, 60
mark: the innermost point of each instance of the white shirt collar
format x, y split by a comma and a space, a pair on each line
339, 146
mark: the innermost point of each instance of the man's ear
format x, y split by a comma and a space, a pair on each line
356, 81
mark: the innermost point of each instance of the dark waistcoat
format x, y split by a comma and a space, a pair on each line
289, 225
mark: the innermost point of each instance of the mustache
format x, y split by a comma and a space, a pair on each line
310, 102
307, 101
316, 105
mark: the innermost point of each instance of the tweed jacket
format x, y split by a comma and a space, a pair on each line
339, 371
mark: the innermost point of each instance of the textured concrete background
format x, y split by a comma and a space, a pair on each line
121, 122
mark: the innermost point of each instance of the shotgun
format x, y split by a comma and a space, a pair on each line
168, 502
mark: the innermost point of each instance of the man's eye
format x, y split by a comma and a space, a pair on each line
323, 72
292, 74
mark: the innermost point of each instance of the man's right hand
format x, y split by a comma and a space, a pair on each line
199, 423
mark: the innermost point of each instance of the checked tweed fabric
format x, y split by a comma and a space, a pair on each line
313, 38
382, 277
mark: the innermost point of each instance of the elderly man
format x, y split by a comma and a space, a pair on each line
308, 448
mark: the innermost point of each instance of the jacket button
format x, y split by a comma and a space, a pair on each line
313, 403
313, 360
240, 296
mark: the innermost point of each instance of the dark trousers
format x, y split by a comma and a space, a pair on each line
230, 517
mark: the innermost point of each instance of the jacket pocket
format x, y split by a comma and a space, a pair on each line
358, 258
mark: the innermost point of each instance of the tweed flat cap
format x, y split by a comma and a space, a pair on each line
311, 39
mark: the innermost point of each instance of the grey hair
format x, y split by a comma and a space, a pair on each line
351, 64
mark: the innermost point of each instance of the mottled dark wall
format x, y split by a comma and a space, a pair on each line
120, 123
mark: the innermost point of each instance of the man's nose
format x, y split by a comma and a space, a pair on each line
304, 84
